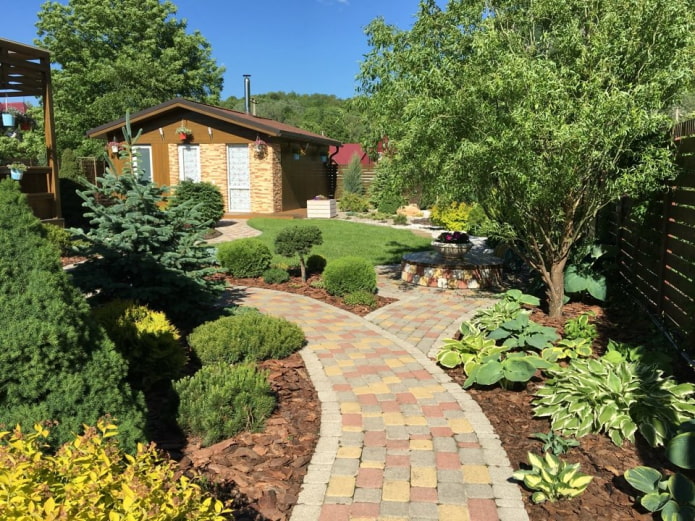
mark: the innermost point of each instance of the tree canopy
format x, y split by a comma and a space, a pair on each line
320, 113
115, 57
543, 111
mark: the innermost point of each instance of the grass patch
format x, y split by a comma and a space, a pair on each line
377, 244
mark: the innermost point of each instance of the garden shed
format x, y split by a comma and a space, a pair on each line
259, 165
25, 72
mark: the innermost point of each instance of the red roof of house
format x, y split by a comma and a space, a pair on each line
19, 106
345, 153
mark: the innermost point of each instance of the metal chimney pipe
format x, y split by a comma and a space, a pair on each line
247, 93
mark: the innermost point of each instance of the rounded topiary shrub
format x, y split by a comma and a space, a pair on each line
275, 276
349, 275
244, 257
220, 401
249, 336
315, 263
389, 203
146, 339
205, 195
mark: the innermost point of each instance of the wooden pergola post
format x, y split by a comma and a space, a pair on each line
25, 71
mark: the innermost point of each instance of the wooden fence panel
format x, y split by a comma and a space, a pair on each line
656, 256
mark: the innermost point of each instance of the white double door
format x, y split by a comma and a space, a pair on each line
238, 178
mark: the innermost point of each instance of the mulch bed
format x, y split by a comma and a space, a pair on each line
262, 472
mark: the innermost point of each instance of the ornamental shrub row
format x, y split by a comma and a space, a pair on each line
90, 478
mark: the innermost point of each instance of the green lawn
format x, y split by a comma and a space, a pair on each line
377, 244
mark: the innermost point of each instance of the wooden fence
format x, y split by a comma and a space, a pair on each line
656, 246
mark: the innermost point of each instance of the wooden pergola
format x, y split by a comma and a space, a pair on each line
25, 71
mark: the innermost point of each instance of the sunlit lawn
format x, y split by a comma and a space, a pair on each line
377, 244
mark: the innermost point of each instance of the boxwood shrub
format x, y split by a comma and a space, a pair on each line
249, 336
349, 275
275, 276
244, 257
220, 401
205, 195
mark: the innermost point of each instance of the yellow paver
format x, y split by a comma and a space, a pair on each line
457, 512
349, 452
350, 407
420, 444
475, 474
396, 491
415, 420
423, 477
460, 425
341, 486
393, 418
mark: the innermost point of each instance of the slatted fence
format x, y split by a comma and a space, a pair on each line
656, 246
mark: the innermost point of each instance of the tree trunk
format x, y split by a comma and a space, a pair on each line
302, 267
555, 281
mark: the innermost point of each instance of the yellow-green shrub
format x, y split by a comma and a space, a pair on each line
146, 339
454, 216
91, 479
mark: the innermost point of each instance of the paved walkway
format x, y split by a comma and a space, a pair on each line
399, 440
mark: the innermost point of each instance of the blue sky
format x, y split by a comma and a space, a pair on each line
305, 46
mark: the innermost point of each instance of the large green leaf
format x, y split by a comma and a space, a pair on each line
654, 501
449, 359
644, 479
681, 450
518, 369
488, 373
597, 287
682, 489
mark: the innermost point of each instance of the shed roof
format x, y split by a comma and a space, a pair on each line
264, 125
345, 152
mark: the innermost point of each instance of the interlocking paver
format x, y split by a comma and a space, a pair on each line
403, 442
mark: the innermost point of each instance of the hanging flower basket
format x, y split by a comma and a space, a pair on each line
184, 133
260, 148
113, 146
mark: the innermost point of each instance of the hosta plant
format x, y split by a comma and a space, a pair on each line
555, 443
508, 308
551, 479
568, 348
593, 396
522, 332
618, 352
486, 363
673, 496
580, 327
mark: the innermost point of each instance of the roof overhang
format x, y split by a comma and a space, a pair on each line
262, 125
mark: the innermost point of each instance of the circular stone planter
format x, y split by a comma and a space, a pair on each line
429, 269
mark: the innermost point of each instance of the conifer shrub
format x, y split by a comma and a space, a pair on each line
143, 252
349, 275
244, 257
298, 240
248, 336
206, 196
360, 298
352, 178
315, 264
146, 339
389, 203
90, 478
56, 363
59, 237
220, 401
350, 202
275, 276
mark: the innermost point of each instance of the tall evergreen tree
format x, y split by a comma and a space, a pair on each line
55, 363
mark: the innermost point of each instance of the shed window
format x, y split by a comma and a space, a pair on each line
143, 161
189, 163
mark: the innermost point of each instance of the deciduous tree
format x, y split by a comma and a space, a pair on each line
544, 111
121, 56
